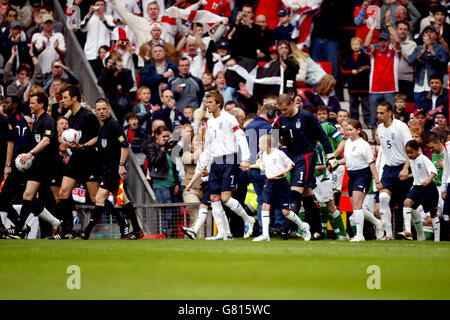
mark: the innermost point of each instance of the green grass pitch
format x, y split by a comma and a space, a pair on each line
181, 269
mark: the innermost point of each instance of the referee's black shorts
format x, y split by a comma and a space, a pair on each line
110, 179
82, 170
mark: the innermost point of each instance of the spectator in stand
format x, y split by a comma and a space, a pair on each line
442, 27
188, 113
400, 112
20, 84
217, 56
246, 36
195, 52
384, 64
356, 67
146, 49
16, 38
10, 16
228, 93
285, 28
207, 81
428, 58
116, 81
400, 10
163, 174
171, 116
405, 70
157, 73
100, 63
55, 103
440, 122
129, 58
432, 4
136, 135
435, 100
39, 23
59, 71
266, 37
361, 19
50, 45
141, 26
327, 33
324, 95
187, 89
98, 26
144, 109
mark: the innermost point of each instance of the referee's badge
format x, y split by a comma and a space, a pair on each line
121, 139
104, 143
37, 137
298, 124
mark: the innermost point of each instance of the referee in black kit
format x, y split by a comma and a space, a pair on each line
112, 146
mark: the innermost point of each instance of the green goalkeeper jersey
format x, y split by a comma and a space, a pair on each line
435, 158
333, 135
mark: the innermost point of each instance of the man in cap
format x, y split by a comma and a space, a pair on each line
17, 39
285, 28
50, 45
217, 55
384, 65
428, 58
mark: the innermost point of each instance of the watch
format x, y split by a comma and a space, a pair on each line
122, 164
8, 165
32, 152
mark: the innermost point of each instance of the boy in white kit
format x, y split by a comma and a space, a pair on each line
276, 164
424, 192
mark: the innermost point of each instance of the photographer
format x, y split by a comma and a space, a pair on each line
164, 175
61, 72
116, 82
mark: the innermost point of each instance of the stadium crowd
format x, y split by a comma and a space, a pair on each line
238, 105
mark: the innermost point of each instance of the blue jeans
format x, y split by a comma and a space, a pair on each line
325, 50
374, 100
165, 195
418, 98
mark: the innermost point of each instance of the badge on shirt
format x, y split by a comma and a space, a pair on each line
37, 137
419, 165
354, 148
10, 127
121, 139
220, 125
48, 132
392, 136
298, 124
104, 143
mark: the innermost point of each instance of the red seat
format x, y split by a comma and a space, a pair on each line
301, 92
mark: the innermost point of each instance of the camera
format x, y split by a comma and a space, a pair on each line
96, 8
244, 14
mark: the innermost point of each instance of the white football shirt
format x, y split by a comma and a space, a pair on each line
421, 168
274, 163
393, 140
357, 154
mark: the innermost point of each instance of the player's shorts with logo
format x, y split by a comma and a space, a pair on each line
277, 193
302, 175
324, 189
338, 177
206, 200
392, 182
223, 174
359, 180
427, 196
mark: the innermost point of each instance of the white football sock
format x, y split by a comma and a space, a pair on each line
265, 216
371, 218
385, 212
407, 219
226, 224
236, 207
217, 212
436, 229
295, 219
201, 218
47, 216
359, 219
417, 220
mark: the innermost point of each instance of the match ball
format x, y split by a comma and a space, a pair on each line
70, 135
23, 167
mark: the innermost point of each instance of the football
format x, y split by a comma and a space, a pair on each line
23, 167
70, 135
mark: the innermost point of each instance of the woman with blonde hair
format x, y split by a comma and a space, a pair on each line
324, 95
